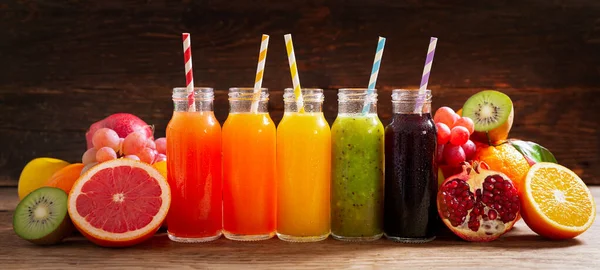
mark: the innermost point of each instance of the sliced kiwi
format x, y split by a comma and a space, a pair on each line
488, 109
42, 218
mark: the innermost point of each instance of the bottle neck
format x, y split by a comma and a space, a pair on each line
357, 101
312, 100
411, 101
203, 98
244, 100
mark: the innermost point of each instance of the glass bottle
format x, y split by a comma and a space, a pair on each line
410, 211
249, 187
357, 168
194, 168
303, 169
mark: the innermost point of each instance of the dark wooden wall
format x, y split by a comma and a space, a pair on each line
66, 64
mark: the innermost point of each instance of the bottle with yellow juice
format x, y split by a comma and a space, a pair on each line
303, 169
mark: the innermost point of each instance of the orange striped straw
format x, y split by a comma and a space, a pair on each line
189, 77
289, 46
260, 70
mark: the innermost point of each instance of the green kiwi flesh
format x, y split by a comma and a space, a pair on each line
488, 109
42, 218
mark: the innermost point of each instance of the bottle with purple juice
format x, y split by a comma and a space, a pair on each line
410, 211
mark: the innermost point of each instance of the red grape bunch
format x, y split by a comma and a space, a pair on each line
453, 134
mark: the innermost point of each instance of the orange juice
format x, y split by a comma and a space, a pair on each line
194, 170
249, 187
303, 173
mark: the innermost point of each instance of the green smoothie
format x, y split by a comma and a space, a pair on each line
357, 177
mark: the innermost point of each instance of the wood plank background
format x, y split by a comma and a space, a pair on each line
66, 64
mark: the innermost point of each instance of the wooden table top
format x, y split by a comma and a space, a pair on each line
520, 248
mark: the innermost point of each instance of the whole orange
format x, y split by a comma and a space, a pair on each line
65, 177
505, 158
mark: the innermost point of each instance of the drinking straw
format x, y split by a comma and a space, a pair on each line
426, 72
289, 46
189, 77
374, 73
262, 58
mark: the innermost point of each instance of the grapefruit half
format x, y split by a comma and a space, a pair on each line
119, 203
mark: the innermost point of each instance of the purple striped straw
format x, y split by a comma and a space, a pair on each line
426, 72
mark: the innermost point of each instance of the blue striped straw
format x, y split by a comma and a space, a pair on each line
374, 73
426, 73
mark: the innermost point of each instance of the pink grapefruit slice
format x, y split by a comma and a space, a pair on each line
119, 203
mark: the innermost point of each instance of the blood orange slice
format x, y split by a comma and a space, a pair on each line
119, 203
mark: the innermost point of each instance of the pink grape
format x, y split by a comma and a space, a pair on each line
134, 157
445, 115
454, 155
467, 123
440, 153
89, 156
469, 148
151, 144
147, 155
121, 140
459, 135
87, 167
443, 133
105, 154
161, 145
160, 157
106, 137
134, 143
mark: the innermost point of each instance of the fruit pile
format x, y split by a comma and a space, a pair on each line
496, 179
117, 196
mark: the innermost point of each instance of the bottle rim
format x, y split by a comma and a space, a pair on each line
357, 94
308, 95
247, 94
411, 95
200, 93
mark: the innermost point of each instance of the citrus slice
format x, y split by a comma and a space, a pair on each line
556, 203
119, 203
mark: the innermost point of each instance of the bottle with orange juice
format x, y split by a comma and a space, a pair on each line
194, 168
249, 185
303, 169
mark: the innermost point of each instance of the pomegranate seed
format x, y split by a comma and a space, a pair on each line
492, 214
488, 186
499, 179
497, 192
465, 193
507, 186
499, 186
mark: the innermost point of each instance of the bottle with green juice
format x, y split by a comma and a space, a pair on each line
357, 168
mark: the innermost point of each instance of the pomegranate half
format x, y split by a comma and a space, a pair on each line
478, 204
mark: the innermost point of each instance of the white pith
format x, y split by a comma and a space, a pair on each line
81, 222
530, 198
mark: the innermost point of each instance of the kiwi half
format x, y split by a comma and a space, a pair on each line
42, 218
488, 109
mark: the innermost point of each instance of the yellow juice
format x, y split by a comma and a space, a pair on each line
303, 177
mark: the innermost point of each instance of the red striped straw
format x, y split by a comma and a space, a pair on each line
189, 77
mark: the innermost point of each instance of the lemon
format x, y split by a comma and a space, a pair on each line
37, 172
161, 166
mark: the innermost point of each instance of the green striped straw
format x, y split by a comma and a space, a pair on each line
374, 73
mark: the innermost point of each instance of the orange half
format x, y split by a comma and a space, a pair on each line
556, 203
